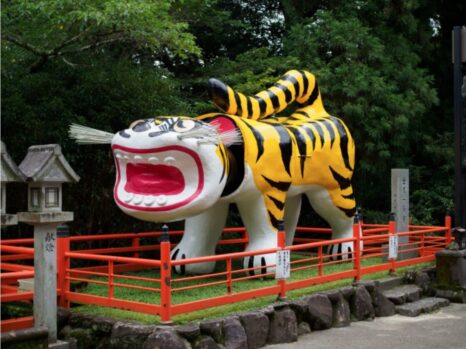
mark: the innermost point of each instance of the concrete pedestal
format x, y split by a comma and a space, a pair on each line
451, 275
45, 266
8, 219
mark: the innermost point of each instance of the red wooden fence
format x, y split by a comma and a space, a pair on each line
309, 257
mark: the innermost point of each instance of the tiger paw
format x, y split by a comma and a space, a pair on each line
196, 268
260, 264
343, 251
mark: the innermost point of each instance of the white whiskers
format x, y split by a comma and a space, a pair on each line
87, 135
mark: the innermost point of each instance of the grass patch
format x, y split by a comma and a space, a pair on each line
216, 290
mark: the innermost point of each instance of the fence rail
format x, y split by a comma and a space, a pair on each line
310, 265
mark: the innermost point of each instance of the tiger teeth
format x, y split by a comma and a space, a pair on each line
137, 200
153, 159
128, 197
161, 200
169, 160
138, 158
149, 200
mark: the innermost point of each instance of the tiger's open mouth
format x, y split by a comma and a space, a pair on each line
157, 179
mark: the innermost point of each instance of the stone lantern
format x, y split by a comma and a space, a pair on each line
9, 172
46, 169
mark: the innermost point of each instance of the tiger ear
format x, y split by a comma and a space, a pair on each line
228, 132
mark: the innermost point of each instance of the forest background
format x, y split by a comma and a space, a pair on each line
383, 66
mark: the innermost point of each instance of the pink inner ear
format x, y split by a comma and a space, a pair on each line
223, 125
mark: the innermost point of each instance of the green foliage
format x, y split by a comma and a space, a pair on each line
380, 66
367, 62
50, 29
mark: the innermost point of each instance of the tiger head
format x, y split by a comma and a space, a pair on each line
168, 168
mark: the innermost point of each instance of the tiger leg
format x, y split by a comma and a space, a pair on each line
292, 211
262, 234
338, 219
200, 239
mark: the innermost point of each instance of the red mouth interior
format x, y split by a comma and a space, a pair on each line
149, 179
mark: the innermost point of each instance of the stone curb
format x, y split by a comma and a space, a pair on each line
279, 323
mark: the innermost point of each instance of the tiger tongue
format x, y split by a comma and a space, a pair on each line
148, 179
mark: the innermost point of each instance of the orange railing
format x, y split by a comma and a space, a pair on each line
310, 265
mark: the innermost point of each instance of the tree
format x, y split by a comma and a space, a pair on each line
366, 56
50, 29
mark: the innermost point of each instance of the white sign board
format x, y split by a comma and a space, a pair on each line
392, 246
282, 269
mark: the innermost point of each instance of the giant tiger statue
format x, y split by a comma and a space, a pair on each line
172, 168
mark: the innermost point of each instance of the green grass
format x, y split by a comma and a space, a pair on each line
214, 291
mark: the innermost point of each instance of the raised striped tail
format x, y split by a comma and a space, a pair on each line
295, 85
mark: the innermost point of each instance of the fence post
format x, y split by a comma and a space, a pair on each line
63, 246
281, 244
165, 276
357, 248
448, 228
135, 243
391, 232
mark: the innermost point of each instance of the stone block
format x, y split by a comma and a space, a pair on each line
402, 294
320, 312
164, 339
234, 334
213, 328
129, 336
283, 327
341, 312
361, 304
189, 331
425, 305
382, 305
256, 326
205, 342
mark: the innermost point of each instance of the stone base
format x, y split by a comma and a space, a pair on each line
45, 217
451, 275
9, 219
451, 269
456, 296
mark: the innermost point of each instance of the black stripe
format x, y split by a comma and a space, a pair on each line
239, 110
251, 265
330, 130
182, 266
320, 132
342, 181
264, 264
274, 99
262, 105
349, 196
285, 146
249, 105
311, 136
273, 220
350, 254
295, 83
314, 95
349, 212
224, 158
343, 142
286, 91
218, 93
305, 82
302, 112
282, 186
259, 140
278, 203
302, 146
